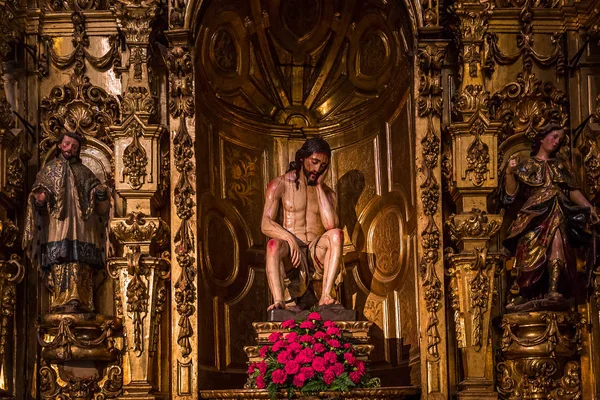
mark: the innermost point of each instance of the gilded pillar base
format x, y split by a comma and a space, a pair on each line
539, 356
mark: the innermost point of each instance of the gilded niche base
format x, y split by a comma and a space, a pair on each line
80, 359
539, 356
357, 332
391, 393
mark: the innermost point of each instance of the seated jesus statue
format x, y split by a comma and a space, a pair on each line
307, 244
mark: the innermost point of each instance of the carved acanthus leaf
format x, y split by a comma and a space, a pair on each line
137, 227
477, 225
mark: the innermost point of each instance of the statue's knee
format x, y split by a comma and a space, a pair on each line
337, 236
273, 246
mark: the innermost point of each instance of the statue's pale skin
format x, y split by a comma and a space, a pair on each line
308, 212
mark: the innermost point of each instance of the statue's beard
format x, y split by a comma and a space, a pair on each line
311, 177
68, 155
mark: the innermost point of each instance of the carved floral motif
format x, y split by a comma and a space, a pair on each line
135, 160
137, 299
138, 99
478, 157
179, 64
185, 289
429, 106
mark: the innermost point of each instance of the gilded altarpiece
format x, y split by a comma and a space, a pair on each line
191, 107
267, 77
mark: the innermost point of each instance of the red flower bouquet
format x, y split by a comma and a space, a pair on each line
312, 357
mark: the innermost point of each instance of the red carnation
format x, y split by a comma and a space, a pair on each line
334, 331
289, 324
328, 376
262, 367
307, 339
355, 376
308, 372
295, 347
291, 337
280, 344
328, 324
308, 353
251, 368
319, 348
320, 335
334, 343
299, 379
263, 351
350, 358
275, 336
318, 364
283, 357
260, 382
307, 325
338, 369
360, 367
330, 357
279, 376
314, 316
347, 345
292, 367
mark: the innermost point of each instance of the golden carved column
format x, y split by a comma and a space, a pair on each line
472, 176
184, 345
141, 272
434, 362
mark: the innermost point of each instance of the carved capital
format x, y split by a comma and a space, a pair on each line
139, 230
135, 18
475, 226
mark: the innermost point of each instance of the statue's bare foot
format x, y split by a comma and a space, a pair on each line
276, 306
326, 301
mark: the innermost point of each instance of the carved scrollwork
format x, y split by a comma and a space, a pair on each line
137, 227
78, 107
471, 99
51, 389
527, 104
477, 225
135, 160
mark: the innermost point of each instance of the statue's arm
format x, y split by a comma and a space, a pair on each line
578, 198
268, 224
511, 185
101, 199
327, 206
